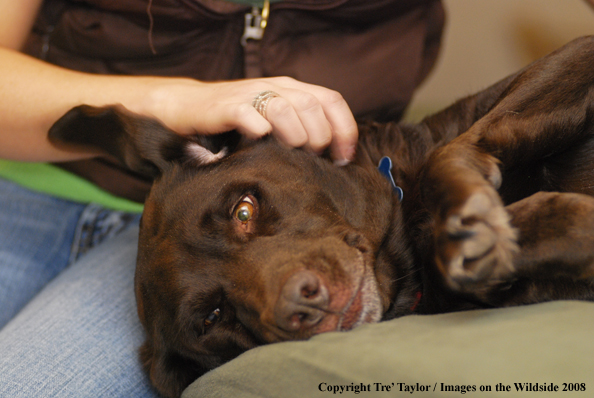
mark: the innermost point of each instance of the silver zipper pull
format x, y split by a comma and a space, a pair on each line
255, 23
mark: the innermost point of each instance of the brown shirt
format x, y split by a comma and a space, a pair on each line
374, 52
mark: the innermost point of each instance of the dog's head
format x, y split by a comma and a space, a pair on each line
245, 243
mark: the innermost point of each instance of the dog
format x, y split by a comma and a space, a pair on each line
488, 203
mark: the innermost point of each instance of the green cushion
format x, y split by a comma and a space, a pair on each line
544, 343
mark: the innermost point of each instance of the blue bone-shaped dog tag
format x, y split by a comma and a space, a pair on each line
385, 167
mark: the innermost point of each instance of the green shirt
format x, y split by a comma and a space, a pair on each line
52, 180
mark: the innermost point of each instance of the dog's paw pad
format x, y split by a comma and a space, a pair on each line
477, 244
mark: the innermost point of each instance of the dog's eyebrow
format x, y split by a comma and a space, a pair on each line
238, 189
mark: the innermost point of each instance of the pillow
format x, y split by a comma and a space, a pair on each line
536, 348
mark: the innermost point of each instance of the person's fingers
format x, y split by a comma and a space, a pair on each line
245, 118
299, 114
343, 127
308, 126
345, 132
286, 123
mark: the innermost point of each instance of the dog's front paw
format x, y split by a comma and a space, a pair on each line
475, 244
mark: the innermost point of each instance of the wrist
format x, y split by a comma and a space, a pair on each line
166, 99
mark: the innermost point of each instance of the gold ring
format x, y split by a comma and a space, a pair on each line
262, 99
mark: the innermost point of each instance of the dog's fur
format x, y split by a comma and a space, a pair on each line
268, 244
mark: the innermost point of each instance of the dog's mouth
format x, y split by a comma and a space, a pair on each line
363, 306
338, 292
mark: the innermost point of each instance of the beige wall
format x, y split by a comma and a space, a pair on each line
485, 40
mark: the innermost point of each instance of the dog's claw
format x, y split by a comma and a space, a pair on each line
461, 234
476, 248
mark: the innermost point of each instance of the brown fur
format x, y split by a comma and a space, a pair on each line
497, 211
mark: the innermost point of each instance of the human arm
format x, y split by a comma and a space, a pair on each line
35, 94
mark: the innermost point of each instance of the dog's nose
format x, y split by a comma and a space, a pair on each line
302, 302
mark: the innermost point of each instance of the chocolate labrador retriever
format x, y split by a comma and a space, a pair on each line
486, 204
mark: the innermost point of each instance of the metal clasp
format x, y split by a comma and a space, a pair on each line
255, 23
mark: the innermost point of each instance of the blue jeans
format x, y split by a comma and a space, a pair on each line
68, 323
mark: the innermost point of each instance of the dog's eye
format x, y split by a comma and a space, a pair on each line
212, 318
245, 210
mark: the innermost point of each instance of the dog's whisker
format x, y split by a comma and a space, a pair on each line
406, 276
471, 169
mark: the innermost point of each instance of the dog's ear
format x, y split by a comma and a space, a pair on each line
169, 373
142, 144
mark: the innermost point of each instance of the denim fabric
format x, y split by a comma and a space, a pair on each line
67, 299
96, 225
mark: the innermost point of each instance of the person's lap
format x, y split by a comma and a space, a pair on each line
36, 235
78, 336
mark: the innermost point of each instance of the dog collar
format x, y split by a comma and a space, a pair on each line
385, 168
418, 297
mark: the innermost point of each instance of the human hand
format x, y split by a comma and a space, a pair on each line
302, 115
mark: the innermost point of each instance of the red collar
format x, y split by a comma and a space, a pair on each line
418, 296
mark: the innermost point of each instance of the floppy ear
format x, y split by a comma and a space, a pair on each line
169, 373
142, 144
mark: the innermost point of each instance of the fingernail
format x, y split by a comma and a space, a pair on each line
348, 156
